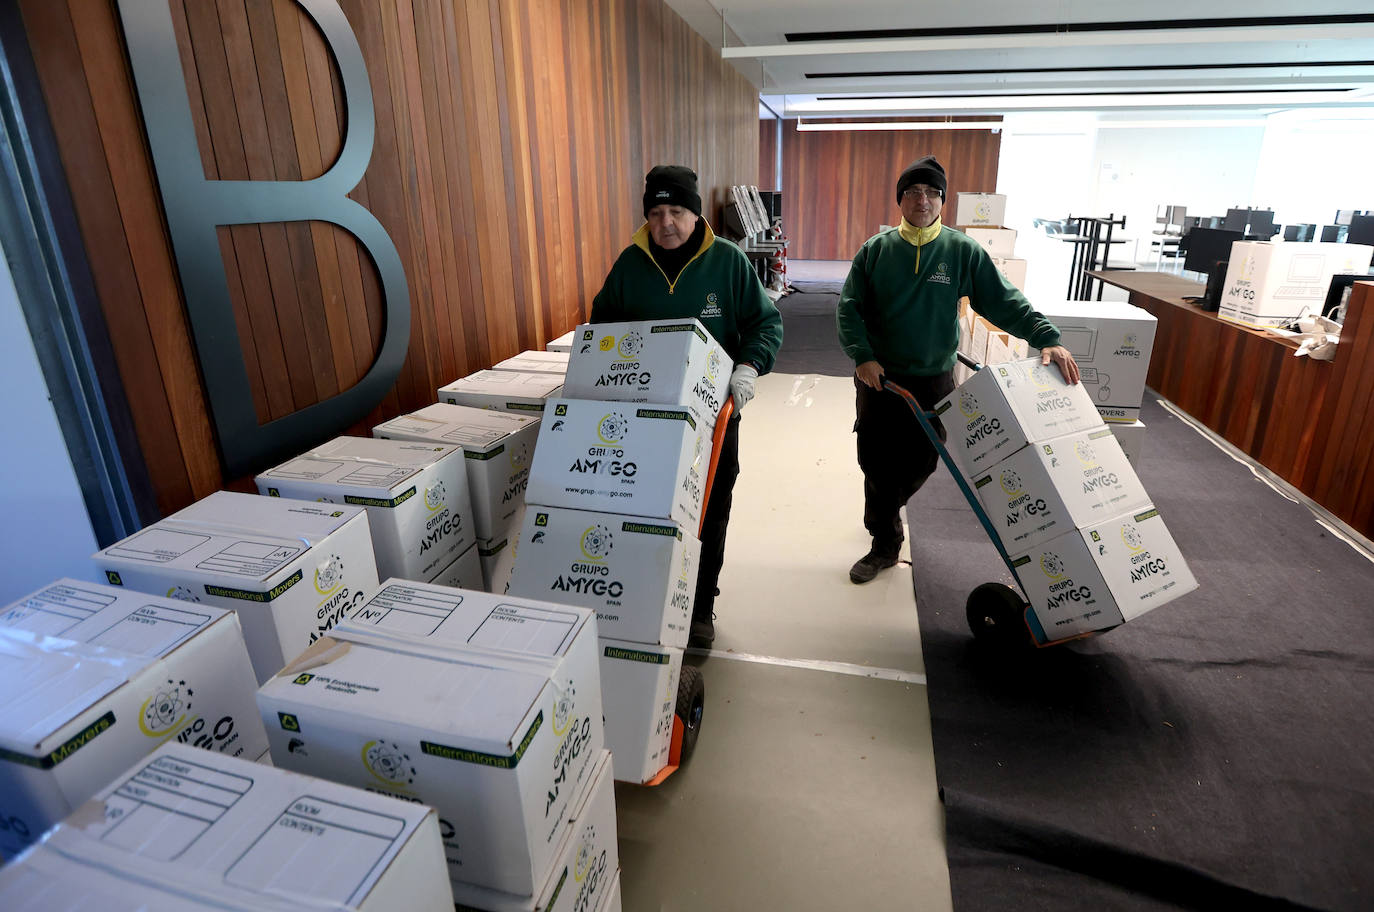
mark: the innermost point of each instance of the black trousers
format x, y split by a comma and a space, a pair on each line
717, 518
895, 454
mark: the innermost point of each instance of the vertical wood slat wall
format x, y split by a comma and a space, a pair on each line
840, 186
512, 137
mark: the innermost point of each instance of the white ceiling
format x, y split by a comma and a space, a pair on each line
1246, 62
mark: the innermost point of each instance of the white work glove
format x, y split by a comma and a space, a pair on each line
742, 384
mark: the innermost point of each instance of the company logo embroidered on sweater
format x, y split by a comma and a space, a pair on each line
712, 308
940, 276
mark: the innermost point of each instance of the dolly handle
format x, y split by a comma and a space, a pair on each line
727, 411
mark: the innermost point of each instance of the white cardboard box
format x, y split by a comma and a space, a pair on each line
464, 573
187, 830
981, 209
1103, 575
497, 448
1270, 283
536, 362
585, 864
638, 575
1112, 342
1014, 268
563, 343
497, 557
487, 708
290, 569
639, 460
1046, 489
639, 693
1132, 439
94, 677
998, 242
611, 903
506, 391
1002, 408
416, 495
676, 362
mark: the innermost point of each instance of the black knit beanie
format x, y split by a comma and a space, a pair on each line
922, 171
672, 185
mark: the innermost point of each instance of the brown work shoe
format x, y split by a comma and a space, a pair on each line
867, 567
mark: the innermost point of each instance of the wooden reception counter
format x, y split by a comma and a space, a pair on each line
1304, 420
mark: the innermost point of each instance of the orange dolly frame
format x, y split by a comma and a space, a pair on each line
691, 688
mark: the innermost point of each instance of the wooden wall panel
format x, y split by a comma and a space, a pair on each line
512, 137
839, 187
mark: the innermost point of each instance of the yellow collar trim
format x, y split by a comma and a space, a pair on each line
919, 237
641, 239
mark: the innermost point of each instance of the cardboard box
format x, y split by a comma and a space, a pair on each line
497, 448
639, 693
611, 903
1044, 490
415, 493
487, 708
563, 343
497, 560
1132, 439
187, 830
290, 569
1014, 268
586, 863
998, 242
1002, 408
981, 209
639, 460
464, 573
674, 362
1272, 283
1102, 575
504, 391
1112, 342
536, 362
95, 677
638, 575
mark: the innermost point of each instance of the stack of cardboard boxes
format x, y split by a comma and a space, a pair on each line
485, 707
615, 496
497, 449
983, 217
416, 495
522, 392
1089, 549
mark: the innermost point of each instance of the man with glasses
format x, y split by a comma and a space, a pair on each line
898, 318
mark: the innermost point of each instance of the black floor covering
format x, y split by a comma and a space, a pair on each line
809, 342
1215, 753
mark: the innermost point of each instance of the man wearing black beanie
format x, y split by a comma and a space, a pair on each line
898, 318
675, 268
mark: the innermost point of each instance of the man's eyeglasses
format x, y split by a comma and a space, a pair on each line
929, 193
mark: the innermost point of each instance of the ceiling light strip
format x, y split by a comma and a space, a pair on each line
1286, 34
845, 107
839, 126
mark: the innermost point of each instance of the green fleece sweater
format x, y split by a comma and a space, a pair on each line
908, 320
718, 286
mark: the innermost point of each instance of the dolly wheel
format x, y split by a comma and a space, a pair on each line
691, 702
996, 615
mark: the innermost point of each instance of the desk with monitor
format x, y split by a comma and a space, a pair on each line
1302, 419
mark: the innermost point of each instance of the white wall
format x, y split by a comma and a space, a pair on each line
1309, 169
45, 532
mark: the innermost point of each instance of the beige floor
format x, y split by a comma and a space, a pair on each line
813, 783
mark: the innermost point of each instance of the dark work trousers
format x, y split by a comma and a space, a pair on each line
895, 454
717, 518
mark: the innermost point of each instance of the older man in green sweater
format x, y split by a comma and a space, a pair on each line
674, 268
898, 318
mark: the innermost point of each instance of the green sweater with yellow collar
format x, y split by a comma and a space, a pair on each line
900, 303
718, 286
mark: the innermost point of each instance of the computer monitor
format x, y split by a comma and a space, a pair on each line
1290, 232
1209, 246
1333, 233
1361, 230
1261, 223
1343, 216
1236, 219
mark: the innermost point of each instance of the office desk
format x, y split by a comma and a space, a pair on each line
1304, 420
